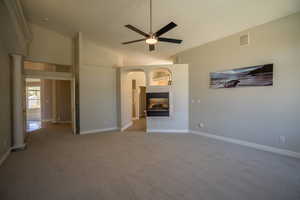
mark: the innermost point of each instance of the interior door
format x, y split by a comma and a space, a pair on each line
24, 106
73, 107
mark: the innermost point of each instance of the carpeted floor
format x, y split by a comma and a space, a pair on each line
136, 166
138, 125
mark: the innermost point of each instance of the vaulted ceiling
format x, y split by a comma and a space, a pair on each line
199, 21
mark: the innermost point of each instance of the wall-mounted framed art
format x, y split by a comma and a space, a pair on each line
260, 75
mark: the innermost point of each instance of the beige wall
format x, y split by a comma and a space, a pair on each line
49, 46
96, 55
97, 98
98, 106
5, 102
255, 114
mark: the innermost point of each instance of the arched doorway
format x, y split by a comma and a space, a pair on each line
134, 104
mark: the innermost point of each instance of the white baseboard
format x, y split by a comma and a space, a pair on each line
62, 122
98, 130
18, 147
167, 131
47, 120
126, 126
250, 144
5, 156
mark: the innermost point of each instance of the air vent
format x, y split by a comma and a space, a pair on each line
244, 40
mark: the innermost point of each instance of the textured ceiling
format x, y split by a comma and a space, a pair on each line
199, 21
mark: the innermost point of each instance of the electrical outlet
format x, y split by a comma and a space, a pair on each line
200, 125
282, 139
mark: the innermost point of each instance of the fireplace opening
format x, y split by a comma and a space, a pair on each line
157, 104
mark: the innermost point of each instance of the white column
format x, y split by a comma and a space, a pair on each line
17, 97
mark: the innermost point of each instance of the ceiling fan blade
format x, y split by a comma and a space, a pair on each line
170, 40
136, 30
165, 29
133, 41
151, 47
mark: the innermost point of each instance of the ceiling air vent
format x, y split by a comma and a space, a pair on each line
244, 40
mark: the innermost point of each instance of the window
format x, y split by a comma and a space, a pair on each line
33, 97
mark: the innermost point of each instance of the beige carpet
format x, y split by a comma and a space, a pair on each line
136, 166
138, 125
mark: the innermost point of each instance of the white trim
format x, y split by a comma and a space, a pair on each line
5, 156
18, 147
61, 122
95, 65
47, 120
98, 130
167, 131
18, 100
284, 152
126, 126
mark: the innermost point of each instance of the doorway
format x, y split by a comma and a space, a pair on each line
48, 104
137, 95
33, 104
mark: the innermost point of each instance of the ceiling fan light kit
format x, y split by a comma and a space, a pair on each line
152, 38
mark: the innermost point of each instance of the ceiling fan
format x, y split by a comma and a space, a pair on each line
152, 38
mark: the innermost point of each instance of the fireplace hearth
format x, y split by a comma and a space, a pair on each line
158, 104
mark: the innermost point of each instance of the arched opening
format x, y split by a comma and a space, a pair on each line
160, 77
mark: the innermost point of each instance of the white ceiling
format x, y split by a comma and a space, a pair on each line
199, 21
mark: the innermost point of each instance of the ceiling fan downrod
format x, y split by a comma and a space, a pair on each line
152, 38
